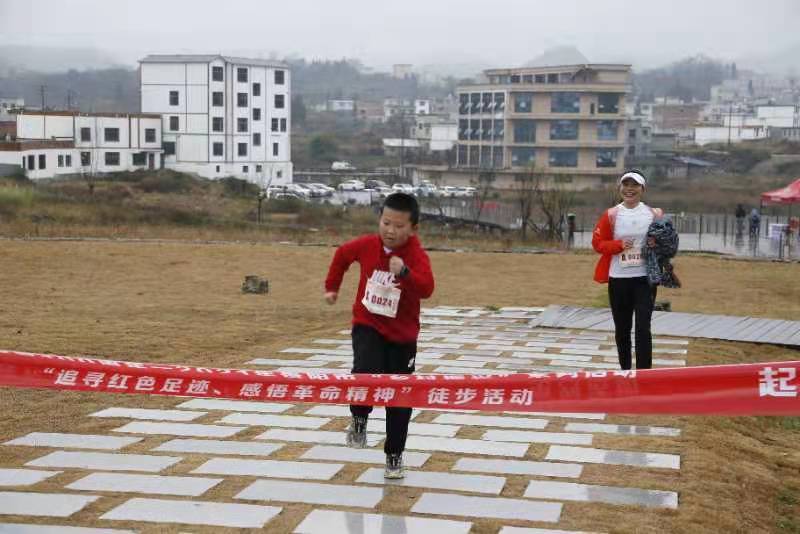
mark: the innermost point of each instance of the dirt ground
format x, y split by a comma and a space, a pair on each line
180, 302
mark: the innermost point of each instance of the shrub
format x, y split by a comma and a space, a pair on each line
236, 187
166, 182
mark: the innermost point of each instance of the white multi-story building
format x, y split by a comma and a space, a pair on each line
222, 116
52, 143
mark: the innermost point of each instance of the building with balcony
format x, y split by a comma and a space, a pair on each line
222, 116
566, 122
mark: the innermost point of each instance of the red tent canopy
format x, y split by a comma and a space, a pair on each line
785, 195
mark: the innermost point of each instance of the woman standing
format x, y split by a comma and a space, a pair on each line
619, 236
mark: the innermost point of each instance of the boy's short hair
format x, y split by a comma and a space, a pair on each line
403, 202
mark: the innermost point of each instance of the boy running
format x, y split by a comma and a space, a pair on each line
395, 275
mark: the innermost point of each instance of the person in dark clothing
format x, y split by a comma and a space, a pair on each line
395, 275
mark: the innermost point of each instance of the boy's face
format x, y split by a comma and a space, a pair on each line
395, 227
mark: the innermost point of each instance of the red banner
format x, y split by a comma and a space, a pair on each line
750, 389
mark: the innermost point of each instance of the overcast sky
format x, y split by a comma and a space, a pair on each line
496, 32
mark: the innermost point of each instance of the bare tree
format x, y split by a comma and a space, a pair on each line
554, 202
524, 188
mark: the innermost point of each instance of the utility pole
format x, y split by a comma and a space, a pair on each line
41, 91
730, 118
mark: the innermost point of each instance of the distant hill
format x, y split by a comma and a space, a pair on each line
14, 58
688, 79
783, 62
560, 55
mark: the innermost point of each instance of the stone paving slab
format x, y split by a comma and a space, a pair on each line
568, 415
337, 410
73, 441
364, 456
211, 446
24, 477
193, 513
312, 493
628, 430
278, 362
506, 348
268, 468
180, 429
20, 528
527, 436
437, 480
613, 457
316, 371
549, 356
421, 429
519, 467
313, 436
490, 507
546, 489
466, 446
236, 406
282, 421
330, 522
491, 420
446, 370
103, 461
158, 484
43, 504
141, 413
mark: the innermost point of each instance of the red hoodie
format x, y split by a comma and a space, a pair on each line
368, 251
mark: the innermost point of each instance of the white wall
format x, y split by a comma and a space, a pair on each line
704, 135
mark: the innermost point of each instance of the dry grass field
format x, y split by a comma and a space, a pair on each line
180, 302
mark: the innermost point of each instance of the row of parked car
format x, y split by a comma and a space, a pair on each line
300, 191
424, 189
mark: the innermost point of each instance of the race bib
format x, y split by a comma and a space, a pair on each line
380, 296
631, 257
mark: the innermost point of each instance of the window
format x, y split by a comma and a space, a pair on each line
241, 124
499, 130
217, 168
139, 159
564, 130
283, 125
608, 103
60, 160
527, 78
462, 156
242, 149
149, 135
523, 156
463, 129
563, 157
241, 75
523, 102
279, 101
539, 78
486, 157
217, 124
217, 74
256, 114
607, 130
32, 163
275, 149
112, 159
279, 77
524, 131
245, 169
86, 159
499, 102
486, 130
565, 103
607, 158
463, 103
169, 148
241, 100
256, 139
86, 134
216, 99
475, 100
174, 123
474, 130
552, 78
111, 135
68, 160
274, 125
497, 158
256, 89
473, 156
278, 174
515, 78
259, 168
42, 161
173, 98
218, 149
486, 103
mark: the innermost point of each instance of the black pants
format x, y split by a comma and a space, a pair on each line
629, 296
372, 353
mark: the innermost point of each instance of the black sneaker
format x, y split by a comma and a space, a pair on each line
394, 466
357, 432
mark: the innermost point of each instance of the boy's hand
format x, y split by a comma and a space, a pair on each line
396, 265
331, 296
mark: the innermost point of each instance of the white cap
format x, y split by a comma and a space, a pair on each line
635, 176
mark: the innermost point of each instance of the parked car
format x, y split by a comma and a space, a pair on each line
274, 190
384, 191
466, 191
403, 188
322, 189
351, 185
448, 191
375, 184
287, 196
342, 166
300, 190
427, 189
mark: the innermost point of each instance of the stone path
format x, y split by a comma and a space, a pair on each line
239, 464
